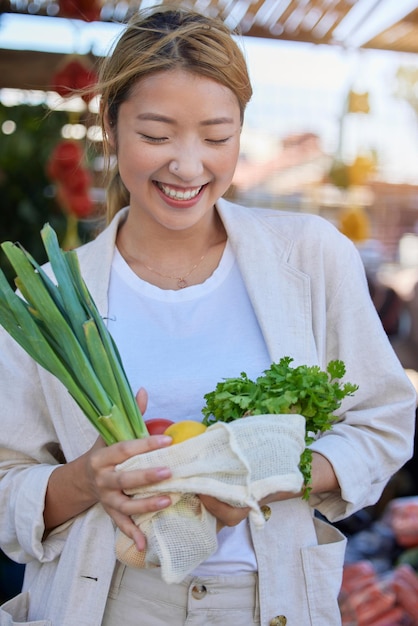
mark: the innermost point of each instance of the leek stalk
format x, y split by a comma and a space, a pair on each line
59, 326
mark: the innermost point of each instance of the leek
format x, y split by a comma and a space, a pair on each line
59, 326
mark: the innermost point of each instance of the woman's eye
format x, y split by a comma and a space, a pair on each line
218, 141
153, 139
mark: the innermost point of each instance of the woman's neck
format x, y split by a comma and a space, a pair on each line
172, 259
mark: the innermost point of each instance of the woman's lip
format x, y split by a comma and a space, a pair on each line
174, 190
183, 203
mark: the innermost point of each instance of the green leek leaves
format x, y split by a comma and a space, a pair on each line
59, 326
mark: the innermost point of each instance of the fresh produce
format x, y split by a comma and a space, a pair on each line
405, 585
372, 602
370, 598
186, 429
304, 390
403, 519
357, 576
409, 557
59, 326
393, 617
157, 425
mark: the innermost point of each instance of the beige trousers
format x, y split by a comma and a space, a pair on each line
140, 598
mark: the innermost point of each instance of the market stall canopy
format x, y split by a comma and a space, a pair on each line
379, 24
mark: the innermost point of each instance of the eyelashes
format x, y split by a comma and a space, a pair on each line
157, 140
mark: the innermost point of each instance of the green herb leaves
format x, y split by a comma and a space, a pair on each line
305, 390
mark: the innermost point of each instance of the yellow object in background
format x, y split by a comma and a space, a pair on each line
360, 169
358, 102
354, 223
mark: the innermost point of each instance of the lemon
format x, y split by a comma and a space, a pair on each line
186, 429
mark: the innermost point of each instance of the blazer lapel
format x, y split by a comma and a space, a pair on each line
280, 293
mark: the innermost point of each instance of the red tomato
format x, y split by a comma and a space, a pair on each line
157, 425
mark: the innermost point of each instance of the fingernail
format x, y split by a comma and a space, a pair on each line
164, 440
163, 472
139, 542
164, 501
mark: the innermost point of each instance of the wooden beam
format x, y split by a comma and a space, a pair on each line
27, 69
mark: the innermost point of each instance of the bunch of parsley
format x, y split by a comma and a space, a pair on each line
305, 390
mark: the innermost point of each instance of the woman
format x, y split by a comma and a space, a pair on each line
195, 290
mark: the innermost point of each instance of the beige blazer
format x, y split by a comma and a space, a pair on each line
309, 292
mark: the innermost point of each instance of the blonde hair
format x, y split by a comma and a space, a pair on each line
165, 38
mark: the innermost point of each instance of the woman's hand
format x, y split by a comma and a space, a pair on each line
76, 486
323, 479
107, 485
225, 514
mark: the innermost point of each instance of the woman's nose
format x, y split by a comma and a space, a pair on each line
186, 164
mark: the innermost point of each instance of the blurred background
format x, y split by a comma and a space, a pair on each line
332, 129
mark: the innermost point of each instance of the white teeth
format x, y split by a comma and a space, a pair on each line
179, 195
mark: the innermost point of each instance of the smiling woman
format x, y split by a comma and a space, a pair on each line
195, 290
177, 144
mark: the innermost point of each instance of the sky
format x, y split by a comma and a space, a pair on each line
34, 32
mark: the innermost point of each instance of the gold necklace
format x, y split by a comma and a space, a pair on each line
181, 280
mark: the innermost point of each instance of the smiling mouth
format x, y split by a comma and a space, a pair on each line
178, 194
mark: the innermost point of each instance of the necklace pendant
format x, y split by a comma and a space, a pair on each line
181, 283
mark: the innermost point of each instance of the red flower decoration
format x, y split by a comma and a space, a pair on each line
64, 160
73, 76
73, 180
87, 10
78, 204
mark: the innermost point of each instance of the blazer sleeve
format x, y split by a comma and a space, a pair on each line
29, 453
375, 432
42, 426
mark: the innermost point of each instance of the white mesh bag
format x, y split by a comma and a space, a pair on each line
239, 463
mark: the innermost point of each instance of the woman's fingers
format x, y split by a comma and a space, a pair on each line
226, 514
110, 486
120, 452
132, 479
127, 526
117, 504
107, 481
121, 508
136, 506
142, 399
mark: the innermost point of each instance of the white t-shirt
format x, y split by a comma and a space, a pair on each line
178, 345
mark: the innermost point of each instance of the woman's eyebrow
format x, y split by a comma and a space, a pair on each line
155, 117
158, 117
217, 120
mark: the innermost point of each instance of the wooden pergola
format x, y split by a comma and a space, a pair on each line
330, 22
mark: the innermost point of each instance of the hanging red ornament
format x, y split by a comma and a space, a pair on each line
78, 204
75, 74
87, 10
64, 160
73, 180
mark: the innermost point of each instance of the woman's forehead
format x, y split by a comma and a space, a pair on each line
167, 88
